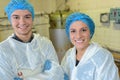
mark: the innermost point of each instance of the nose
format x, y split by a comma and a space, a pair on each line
22, 21
78, 35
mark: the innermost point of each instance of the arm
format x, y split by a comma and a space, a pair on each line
108, 70
64, 65
52, 69
6, 69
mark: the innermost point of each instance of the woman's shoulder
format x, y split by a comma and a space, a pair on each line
69, 53
101, 51
102, 55
70, 50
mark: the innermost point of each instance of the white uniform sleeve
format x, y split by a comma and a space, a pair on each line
6, 72
65, 63
108, 70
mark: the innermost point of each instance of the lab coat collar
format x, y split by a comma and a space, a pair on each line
90, 51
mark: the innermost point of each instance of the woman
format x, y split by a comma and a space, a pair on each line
86, 60
25, 55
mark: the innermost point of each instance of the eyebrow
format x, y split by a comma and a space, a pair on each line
25, 15
14, 15
82, 27
28, 15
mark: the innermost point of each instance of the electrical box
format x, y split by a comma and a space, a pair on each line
115, 14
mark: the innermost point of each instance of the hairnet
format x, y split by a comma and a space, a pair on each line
77, 16
18, 5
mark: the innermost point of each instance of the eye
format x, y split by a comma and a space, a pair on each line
72, 31
15, 17
84, 29
28, 16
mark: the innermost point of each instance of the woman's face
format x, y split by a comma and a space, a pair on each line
79, 35
21, 21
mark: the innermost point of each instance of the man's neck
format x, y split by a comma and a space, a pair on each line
25, 41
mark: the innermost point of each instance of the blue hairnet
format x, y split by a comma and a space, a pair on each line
77, 16
18, 5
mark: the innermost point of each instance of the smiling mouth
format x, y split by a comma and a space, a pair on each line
22, 27
79, 41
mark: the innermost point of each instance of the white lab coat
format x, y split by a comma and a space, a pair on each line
97, 63
29, 58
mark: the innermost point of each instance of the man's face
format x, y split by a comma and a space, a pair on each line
22, 22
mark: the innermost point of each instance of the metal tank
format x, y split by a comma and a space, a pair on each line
57, 33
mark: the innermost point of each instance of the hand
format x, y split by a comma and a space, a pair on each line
66, 77
47, 65
17, 78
